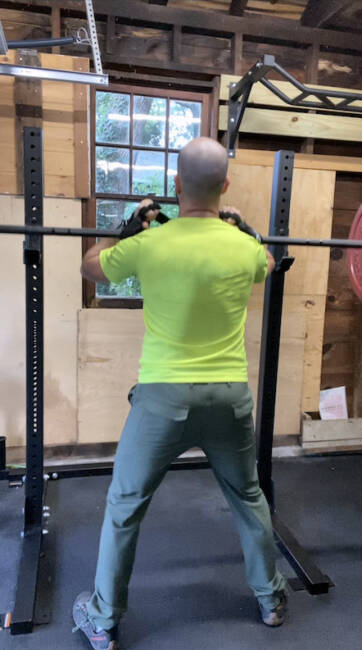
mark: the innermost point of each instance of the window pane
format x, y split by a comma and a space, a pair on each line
171, 209
109, 215
184, 123
171, 173
148, 172
149, 121
112, 170
112, 118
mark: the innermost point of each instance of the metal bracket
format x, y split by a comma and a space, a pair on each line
335, 100
3, 43
69, 76
284, 264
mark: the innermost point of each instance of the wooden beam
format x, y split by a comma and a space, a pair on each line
158, 2
280, 28
264, 158
295, 124
176, 44
237, 7
56, 27
237, 53
135, 11
311, 78
319, 12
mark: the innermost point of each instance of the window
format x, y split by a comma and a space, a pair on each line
137, 136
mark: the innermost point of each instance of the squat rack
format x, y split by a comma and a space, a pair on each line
35, 480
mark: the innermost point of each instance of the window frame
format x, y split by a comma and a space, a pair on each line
90, 205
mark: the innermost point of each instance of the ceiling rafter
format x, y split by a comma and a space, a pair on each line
237, 7
158, 2
318, 12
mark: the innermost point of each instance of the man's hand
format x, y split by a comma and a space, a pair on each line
233, 221
271, 262
242, 225
233, 216
149, 216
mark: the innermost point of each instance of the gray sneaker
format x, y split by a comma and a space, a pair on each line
103, 640
275, 617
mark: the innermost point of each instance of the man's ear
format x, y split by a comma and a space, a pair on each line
226, 185
178, 184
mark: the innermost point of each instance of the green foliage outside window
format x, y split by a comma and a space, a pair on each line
149, 130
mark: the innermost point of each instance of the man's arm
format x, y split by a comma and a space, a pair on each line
91, 268
271, 262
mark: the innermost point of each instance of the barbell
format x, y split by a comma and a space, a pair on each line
95, 232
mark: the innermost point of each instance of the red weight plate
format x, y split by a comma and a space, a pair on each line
354, 255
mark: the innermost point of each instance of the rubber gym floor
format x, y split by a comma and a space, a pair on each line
188, 590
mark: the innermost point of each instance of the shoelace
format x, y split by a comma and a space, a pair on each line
80, 625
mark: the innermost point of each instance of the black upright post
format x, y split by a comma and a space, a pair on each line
272, 316
314, 580
2, 456
22, 619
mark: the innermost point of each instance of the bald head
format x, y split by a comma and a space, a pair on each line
202, 168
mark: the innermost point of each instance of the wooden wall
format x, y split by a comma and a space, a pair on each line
62, 299
342, 332
62, 110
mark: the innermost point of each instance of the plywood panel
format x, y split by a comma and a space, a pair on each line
62, 298
310, 216
290, 375
62, 116
295, 124
301, 161
109, 349
58, 97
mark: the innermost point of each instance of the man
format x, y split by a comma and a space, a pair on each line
196, 274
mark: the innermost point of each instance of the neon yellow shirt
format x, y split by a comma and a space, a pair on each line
196, 276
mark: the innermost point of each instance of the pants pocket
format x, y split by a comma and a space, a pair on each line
131, 394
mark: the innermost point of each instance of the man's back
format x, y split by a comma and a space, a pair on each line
196, 275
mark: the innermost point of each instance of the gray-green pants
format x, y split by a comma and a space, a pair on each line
164, 421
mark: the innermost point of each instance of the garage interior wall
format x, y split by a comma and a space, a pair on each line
86, 347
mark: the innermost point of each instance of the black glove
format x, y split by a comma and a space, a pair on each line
240, 223
134, 225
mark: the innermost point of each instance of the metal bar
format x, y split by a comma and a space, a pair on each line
2, 453
313, 579
34, 484
93, 37
23, 614
3, 43
57, 472
272, 316
323, 103
236, 114
257, 72
11, 229
47, 42
68, 76
33, 254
